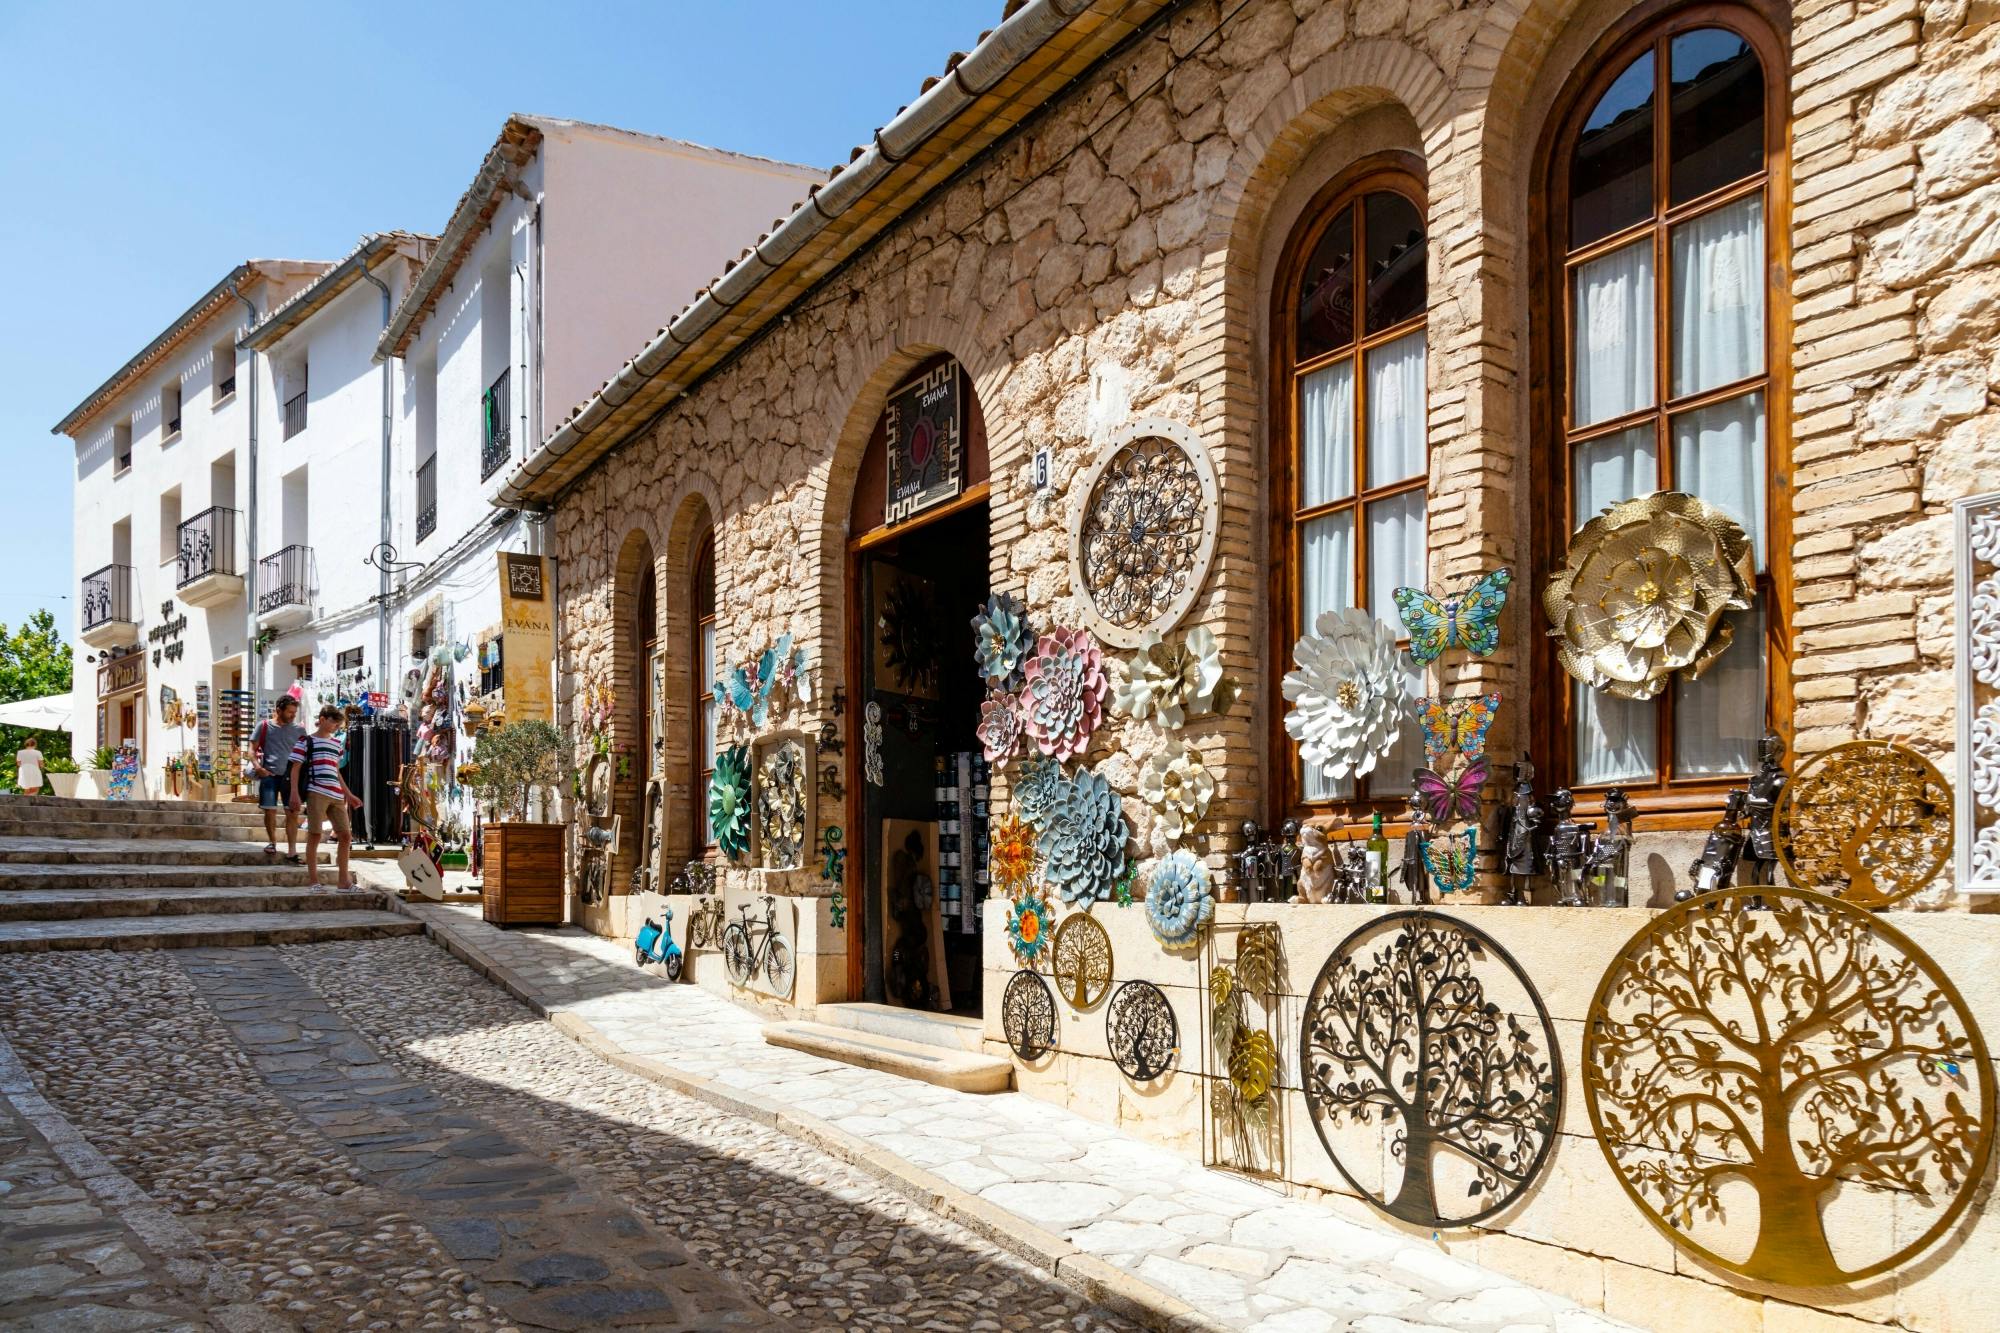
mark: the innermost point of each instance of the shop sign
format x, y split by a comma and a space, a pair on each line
924, 453
528, 623
121, 674
166, 636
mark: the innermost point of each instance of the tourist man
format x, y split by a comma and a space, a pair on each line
273, 742
316, 775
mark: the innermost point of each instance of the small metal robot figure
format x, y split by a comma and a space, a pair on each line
1416, 883
1285, 860
1609, 866
1246, 866
1569, 848
1716, 866
1520, 858
1759, 863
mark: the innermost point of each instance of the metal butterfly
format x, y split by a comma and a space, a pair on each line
1449, 800
1456, 726
1453, 860
1468, 620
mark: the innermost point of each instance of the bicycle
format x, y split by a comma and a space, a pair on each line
748, 945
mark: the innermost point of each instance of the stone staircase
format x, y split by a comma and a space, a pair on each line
80, 874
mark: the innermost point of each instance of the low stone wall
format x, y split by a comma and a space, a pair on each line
1574, 1230
819, 948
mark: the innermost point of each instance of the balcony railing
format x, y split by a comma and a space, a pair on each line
496, 445
208, 545
107, 596
295, 414
173, 425
427, 497
225, 386
284, 578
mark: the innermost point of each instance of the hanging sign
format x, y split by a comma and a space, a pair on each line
528, 622
924, 454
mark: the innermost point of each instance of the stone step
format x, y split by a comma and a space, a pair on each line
231, 930
88, 904
139, 851
36, 828
86, 805
951, 1032
130, 876
962, 1071
46, 816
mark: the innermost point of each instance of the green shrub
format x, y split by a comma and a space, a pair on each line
514, 758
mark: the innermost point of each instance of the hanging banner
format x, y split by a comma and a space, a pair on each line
527, 619
923, 444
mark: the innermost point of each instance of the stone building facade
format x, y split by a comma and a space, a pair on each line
1129, 251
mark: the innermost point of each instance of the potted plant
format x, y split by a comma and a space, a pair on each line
62, 775
523, 871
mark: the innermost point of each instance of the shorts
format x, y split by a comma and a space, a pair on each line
275, 793
333, 809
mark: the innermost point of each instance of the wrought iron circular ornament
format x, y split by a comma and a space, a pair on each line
1140, 1028
1423, 1025
1868, 820
1081, 960
1141, 552
1028, 1016
1774, 1073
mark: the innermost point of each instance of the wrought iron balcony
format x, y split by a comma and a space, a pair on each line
496, 443
295, 414
107, 606
225, 386
210, 570
285, 587
427, 503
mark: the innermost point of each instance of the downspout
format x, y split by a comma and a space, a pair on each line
382, 576
252, 658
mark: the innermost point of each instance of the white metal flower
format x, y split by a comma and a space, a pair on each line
1178, 788
1348, 693
1171, 680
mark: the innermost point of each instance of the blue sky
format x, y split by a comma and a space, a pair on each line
154, 146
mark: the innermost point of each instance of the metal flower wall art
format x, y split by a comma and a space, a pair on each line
1179, 905
1178, 788
1063, 691
1082, 844
1035, 791
1172, 680
999, 727
1348, 693
1002, 642
1788, 1087
781, 669
781, 806
1010, 856
1030, 924
1642, 592
729, 801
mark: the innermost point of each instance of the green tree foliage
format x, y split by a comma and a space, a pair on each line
34, 661
512, 759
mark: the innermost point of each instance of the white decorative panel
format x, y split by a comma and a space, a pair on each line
1977, 522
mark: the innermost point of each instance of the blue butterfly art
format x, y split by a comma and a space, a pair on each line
1468, 620
740, 691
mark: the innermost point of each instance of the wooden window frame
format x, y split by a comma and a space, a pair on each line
1685, 802
702, 617
1393, 172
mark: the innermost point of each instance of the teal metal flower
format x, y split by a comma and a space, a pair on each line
729, 801
1002, 641
1083, 842
1179, 905
1030, 926
1035, 791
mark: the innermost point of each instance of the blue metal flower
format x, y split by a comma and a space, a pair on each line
729, 801
1083, 841
1002, 641
1035, 791
1030, 927
1179, 905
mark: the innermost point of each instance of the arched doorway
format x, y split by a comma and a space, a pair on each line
917, 571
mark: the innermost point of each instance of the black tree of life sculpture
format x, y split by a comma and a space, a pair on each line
1399, 1029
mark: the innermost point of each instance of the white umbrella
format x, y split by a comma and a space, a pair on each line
51, 712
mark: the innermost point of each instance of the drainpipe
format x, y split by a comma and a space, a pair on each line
251, 657
382, 578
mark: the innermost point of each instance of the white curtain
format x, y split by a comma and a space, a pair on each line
1719, 456
1613, 318
1392, 773
1718, 281
1326, 583
1617, 739
1718, 718
1395, 551
1326, 434
708, 720
1396, 410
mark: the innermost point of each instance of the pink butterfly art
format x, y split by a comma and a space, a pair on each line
1449, 800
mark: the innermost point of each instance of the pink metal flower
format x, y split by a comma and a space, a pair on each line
1062, 697
999, 727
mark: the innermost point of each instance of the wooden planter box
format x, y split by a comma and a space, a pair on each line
523, 884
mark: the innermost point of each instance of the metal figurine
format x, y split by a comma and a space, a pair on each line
1416, 882
829, 741
1759, 862
1608, 868
1520, 858
1716, 865
1243, 865
1285, 862
1569, 848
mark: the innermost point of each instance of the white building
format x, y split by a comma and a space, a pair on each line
163, 555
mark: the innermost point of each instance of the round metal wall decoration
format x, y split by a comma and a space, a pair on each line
1141, 552
1142, 1031
1771, 1071
1081, 959
1868, 820
1423, 1024
1028, 1015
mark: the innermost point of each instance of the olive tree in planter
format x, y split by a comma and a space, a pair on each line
523, 880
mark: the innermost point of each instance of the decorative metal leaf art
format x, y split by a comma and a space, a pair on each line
1082, 841
1642, 592
1063, 692
781, 805
1002, 642
1423, 1024
1793, 1092
1348, 693
1179, 904
729, 801
999, 729
1141, 1030
1142, 550
1178, 787
1081, 960
912, 631
1028, 1016
1868, 820
1172, 680
1029, 926
1241, 1104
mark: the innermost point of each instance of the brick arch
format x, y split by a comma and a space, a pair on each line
694, 512
637, 562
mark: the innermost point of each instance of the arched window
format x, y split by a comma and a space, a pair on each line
701, 597
1661, 187
1351, 457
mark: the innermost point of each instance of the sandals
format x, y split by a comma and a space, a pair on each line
270, 849
294, 859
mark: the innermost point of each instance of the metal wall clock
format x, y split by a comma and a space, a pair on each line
1141, 553
1028, 1015
1423, 1025
1141, 1030
1081, 958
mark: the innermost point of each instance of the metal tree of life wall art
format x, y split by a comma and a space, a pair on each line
1424, 1026
925, 459
1792, 1091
